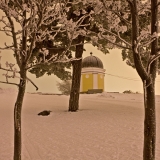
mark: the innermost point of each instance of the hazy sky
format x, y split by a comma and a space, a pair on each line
112, 63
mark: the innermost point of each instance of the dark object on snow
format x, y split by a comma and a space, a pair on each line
44, 113
93, 91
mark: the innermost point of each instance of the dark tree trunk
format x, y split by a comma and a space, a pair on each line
150, 111
76, 77
17, 116
149, 125
148, 77
21, 92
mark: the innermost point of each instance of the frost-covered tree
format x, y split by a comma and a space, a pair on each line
80, 13
76, 13
24, 22
58, 45
132, 25
84, 12
64, 87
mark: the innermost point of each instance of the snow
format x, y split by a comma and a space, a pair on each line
108, 126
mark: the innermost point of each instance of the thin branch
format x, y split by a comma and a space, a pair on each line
4, 30
116, 44
148, 43
68, 60
123, 40
151, 61
9, 83
8, 70
53, 58
34, 65
32, 83
118, 36
7, 47
53, 61
4, 48
14, 38
130, 63
18, 4
117, 14
17, 84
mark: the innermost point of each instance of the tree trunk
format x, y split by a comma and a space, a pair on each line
76, 77
150, 111
148, 76
149, 125
17, 116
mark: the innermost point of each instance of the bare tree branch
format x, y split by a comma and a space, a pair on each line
116, 13
32, 83
14, 38
8, 70
116, 44
7, 47
9, 83
153, 58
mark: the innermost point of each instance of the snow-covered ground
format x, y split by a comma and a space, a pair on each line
108, 126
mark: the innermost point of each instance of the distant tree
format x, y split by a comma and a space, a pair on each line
128, 91
65, 87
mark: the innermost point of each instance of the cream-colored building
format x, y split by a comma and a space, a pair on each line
92, 74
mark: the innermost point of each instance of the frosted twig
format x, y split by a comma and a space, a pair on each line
53, 58
116, 35
4, 30
148, 43
116, 13
9, 70
116, 44
123, 40
152, 59
14, 37
69, 60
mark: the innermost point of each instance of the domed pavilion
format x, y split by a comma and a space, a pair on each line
92, 75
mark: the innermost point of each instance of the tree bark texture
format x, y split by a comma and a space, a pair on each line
150, 110
17, 116
21, 92
149, 125
76, 77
